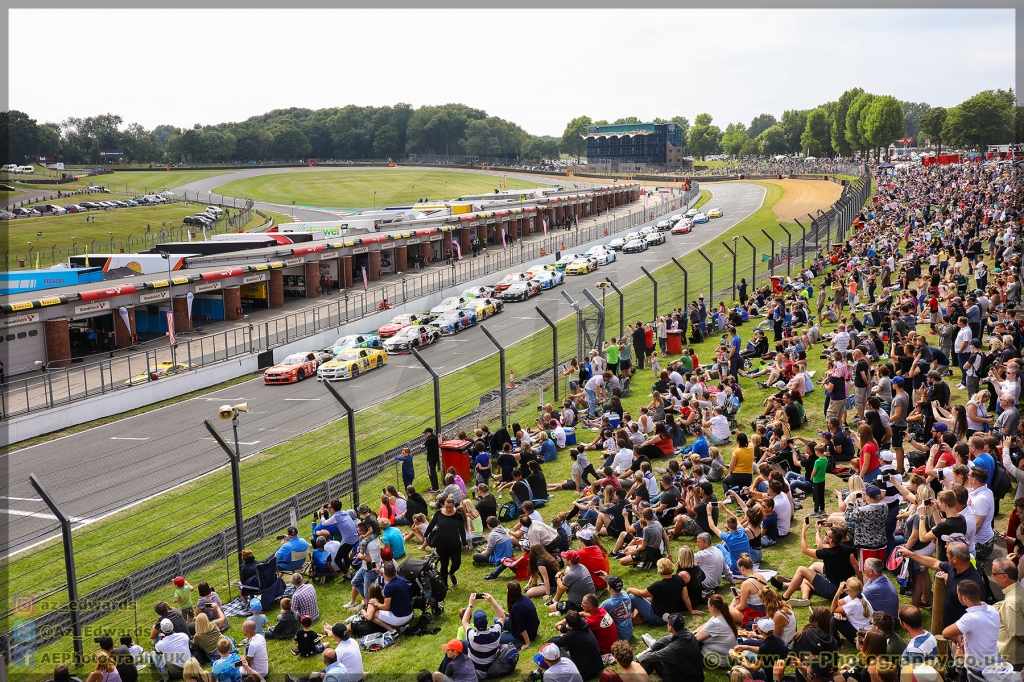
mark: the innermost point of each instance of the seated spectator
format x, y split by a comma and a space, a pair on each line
304, 598
291, 555
553, 667
173, 649
396, 609
835, 563
712, 562
522, 621
659, 599
879, 590
852, 612
499, 545
718, 634
675, 657
619, 607
600, 623
483, 639
579, 642
574, 584
632, 671
455, 666
894, 644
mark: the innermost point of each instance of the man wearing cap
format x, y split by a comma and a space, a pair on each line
553, 667
433, 448
770, 648
574, 584
455, 666
593, 558
291, 555
580, 644
619, 607
347, 649
174, 651
675, 657
972, 367
938, 390
899, 410
869, 514
482, 638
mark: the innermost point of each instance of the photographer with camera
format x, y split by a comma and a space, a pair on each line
836, 562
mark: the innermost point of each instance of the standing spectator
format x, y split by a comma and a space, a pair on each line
449, 533
1011, 612
949, 609
869, 514
408, 473
433, 448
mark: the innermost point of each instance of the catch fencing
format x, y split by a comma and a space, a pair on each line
504, 387
59, 386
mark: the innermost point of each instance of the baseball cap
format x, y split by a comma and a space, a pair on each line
571, 555
306, 620
179, 582
976, 343
292, 530
940, 427
550, 652
166, 626
255, 605
872, 491
934, 375
480, 619
340, 631
766, 625
428, 430
453, 645
898, 381
676, 622
614, 583
886, 455
585, 534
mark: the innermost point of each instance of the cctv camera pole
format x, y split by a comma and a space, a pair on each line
437, 389
236, 478
353, 468
69, 567
733, 268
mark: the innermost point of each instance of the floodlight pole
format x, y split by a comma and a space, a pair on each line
234, 457
600, 318
353, 467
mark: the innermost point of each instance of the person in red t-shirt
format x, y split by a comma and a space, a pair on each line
592, 556
600, 623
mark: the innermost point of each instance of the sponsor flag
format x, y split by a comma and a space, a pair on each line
576, 216
457, 248
506, 180
170, 327
544, 221
189, 297
504, 244
87, 256
123, 312
366, 285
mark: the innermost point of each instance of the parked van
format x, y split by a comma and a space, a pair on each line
26, 169
10, 168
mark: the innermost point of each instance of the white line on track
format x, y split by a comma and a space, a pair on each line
40, 515
302, 399
241, 442
21, 499
125, 438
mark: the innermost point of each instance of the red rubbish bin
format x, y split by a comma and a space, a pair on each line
674, 342
455, 453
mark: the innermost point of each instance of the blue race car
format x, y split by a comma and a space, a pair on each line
700, 218
549, 279
454, 321
364, 340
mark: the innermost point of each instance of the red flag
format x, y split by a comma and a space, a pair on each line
170, 327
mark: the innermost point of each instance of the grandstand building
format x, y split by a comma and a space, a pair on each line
635, 147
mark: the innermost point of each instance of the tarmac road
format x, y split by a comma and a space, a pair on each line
104, 469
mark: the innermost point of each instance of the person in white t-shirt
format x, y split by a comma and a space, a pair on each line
256, 650
850, 603
982, 504
594, 386
623, 458
558, 434
977, 631
783, 508
716, 428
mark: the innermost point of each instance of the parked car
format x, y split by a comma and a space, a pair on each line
91, 205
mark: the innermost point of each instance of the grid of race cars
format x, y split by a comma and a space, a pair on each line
354, 354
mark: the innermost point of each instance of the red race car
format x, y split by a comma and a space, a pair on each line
400, 322
292, 369
511, 279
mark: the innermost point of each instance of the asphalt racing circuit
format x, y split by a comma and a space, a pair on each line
104, 469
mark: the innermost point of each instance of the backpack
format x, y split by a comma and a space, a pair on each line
1000, 481
507, 512
377, 641
505, 663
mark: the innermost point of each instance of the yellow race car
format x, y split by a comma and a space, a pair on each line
162, 369
348, 363
485, 307
716, 213
544, 267
581, 266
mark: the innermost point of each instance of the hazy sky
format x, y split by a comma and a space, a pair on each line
538, 68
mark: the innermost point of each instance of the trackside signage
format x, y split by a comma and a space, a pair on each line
18, 320
254, 278
209, 286
155, 296
92, 307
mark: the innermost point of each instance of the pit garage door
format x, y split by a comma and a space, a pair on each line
21, 346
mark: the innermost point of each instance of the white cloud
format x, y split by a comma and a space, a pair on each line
213, 66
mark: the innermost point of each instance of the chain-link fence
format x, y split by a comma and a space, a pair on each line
287, 484
59, 386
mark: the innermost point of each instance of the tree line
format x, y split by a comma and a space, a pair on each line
857, 121
342, 133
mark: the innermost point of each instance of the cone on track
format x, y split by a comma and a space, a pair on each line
511, 379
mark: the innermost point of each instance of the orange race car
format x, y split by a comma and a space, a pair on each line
292, 369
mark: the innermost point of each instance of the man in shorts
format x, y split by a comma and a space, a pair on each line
836, 562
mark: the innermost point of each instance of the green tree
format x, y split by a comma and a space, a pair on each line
19, 136
760, 124
252, 143
493, 136
387, 143
986, 118
733, 138
883, 122
705, 138
816, 138
540, 149
912, 113
931, 125
141, 145
289, 142
602, 122
49, 140
438, 129
840, 142
628, 119
573, 142
163, 132
793, 124
855, 117
750, 148
773, 140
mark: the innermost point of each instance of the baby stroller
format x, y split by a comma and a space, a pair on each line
426, 588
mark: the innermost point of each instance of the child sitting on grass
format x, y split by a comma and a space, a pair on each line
307, 642
419, 527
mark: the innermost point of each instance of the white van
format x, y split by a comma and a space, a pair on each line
10, 168
26, 169
215, 210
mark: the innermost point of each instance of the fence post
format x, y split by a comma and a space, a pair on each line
69, 567
600, 317
351, 441
733, 267
437, 390
236, 479
501, 370
655, 282
554, 348
711, 276
771, 261
789, 250
686, 283
622, 308
803, 243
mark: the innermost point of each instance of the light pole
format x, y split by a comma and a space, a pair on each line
111, 241
375, 200
74, 246
446, 190
412, 191
225, 413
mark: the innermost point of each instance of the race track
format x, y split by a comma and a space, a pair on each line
103, 469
